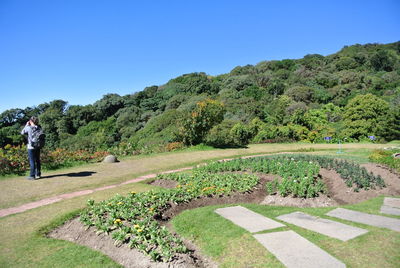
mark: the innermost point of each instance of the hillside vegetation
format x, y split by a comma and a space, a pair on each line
350, 95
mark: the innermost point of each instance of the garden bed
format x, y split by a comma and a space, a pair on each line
76, 232
337, 192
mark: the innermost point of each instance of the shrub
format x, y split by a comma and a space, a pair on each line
240, 134
220, 136
14, 159
385, 157
172, 146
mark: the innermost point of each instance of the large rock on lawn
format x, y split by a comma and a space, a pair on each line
110, 159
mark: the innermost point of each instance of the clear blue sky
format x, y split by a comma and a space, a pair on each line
79, 50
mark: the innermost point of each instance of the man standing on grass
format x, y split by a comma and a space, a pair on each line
35, 143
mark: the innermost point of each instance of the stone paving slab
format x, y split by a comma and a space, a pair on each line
327, 227
365, 218
247, 219
295, 251
390, 210
391, 202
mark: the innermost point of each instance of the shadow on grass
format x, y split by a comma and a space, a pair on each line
72, 174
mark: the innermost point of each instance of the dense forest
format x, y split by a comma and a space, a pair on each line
351, 95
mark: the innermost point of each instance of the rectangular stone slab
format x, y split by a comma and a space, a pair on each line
392, 202
390, 210
365, 218
247, 219
327, 227
295, 251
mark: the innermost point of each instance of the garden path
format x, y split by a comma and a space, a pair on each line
391, 206
326, 227
295, 251
365, 218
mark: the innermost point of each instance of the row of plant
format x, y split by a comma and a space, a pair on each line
354, 175
14, 159
131, 219
299, 171
298, 178
386, 157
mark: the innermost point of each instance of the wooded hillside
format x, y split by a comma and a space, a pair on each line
349, 95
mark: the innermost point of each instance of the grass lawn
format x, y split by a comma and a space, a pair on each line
15, 191
22, 244
231, 246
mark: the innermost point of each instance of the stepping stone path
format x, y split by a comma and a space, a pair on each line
326, 227
247, 219
295, 251
365, 218
391, 206
289, 247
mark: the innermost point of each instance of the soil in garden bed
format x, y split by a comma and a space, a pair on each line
342, 194
169, 184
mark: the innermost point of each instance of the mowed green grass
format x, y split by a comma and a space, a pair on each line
22, 243
231, 246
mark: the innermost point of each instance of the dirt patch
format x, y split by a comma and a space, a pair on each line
169, 184
320, 201
339, 192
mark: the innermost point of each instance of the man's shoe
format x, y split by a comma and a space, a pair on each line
37, 177
30, 178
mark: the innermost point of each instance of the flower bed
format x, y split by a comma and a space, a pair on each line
131, 219
299, 173
299, 178
354, 175
14, 159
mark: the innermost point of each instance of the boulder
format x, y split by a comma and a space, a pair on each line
110, 159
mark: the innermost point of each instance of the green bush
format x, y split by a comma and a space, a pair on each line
158, 132
14, 159
385, 157
220, 135
240, 134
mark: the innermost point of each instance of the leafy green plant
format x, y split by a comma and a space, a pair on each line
354, 175
131, 219
299, 178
